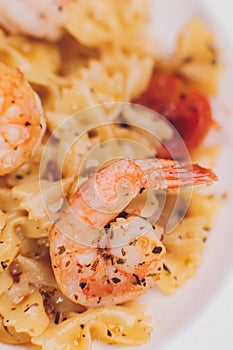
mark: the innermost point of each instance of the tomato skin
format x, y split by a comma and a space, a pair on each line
162, 94
192, 118
188, 110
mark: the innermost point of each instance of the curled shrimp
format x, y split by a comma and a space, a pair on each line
22, 123
40, 19
114, 273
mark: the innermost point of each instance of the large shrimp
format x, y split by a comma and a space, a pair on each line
40, 19
22, 123
103, 271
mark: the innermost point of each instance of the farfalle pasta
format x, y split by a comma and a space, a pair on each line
101, 57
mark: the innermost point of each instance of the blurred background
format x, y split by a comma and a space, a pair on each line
214, 328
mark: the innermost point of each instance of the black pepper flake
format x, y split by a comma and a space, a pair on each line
57, 318
107, 227
157, 250
108, 257
141, 190
83, 335
123, 252
166, 268
4, 265
29, 306
109, 333
99, 300
120, 261
123, 215
82, 285
81, 326
47, 294
61, 249
92, 133
123, 122
94, 265
16, 277
137, 279
75, 297
19, 177
111, 234
67, 263
116, 280
27, 124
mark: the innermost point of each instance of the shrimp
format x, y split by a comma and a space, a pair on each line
22, 123
42, 19
102, 272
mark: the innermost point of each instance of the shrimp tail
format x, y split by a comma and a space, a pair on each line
168, 174
188, 175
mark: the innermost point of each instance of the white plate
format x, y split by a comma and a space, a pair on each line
173, 315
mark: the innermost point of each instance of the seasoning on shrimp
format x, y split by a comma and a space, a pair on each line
22, 123
100, 271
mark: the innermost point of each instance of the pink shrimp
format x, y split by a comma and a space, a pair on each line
114, 271
22, 124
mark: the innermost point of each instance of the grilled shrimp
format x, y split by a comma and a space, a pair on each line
40, 19
22, 123
102, 271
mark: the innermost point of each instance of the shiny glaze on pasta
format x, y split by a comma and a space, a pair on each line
22, 123
109, 274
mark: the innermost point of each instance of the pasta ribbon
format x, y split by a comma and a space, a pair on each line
30, 310
110, 23
184, 247
9, 243
197, 57
35, 196
113, 324
204, 205
6, 281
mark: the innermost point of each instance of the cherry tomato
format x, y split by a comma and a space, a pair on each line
188, 110
162, 94
192, 118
